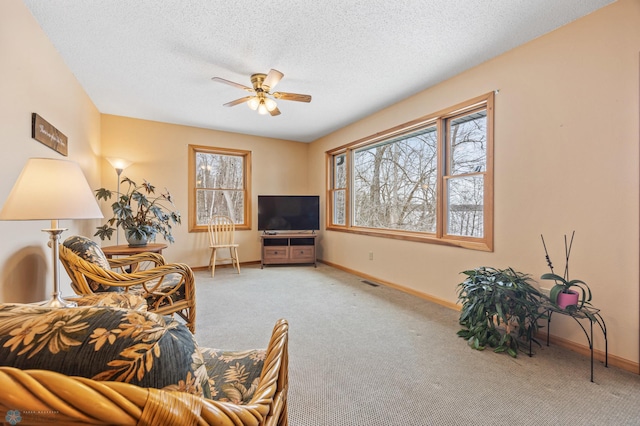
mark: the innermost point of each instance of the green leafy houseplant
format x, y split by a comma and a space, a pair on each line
562, 283
500, 309
140, 212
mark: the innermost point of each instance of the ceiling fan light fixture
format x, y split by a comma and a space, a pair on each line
262, 108
270, 104
253, 103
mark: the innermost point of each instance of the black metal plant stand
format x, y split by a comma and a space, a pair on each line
585, 312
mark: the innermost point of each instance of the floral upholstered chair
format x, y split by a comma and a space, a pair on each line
167, 288
104, 365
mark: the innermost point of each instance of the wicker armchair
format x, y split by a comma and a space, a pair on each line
46, 397
168, 288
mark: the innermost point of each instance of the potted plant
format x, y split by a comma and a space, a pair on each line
561, 293
500, 309
140, 212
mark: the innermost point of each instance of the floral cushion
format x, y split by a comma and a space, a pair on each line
136, 347
233, 376
112, 300
90, 251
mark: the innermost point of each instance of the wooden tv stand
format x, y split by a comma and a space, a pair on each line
286, 248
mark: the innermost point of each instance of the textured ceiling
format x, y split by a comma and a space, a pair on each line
154, 59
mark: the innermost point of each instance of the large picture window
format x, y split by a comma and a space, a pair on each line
429, 180
219, 185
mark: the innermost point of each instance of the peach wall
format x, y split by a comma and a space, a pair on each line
34, 78
160, 155
567, 122
566, 143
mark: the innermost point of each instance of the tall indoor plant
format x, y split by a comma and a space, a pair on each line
500, 309
140, 213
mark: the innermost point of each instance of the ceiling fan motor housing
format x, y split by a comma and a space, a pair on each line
257, 80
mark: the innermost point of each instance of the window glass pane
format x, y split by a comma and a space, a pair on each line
468, 143
219, 185
219, 202
217, 171
339, 207
394, 183
465, 208
339, 171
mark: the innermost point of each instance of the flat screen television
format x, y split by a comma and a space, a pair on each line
288, 212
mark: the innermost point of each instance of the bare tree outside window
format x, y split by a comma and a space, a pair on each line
339, 207
465, 187
339, 189
395, 183
465, 208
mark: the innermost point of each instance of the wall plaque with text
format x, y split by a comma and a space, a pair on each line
48, 135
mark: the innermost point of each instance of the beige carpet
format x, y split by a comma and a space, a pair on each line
366, 355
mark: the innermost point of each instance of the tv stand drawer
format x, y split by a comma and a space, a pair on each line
302, 253
275, 253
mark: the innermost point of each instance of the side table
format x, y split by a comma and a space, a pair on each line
127, 250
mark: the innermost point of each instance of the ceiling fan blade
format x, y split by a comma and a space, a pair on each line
238, 101
271, 80
231, 83
292, 97
274, 112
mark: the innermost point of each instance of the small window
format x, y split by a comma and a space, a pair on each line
467, 145
339, 189
219, 185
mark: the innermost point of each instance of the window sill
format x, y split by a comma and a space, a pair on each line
477, 244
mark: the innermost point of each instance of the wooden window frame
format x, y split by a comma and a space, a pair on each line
485, 243
246, 163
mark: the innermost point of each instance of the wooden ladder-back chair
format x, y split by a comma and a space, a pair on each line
168, 288
222, 236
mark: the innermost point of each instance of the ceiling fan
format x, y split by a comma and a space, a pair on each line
262, 95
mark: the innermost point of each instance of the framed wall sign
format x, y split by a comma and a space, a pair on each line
48, 135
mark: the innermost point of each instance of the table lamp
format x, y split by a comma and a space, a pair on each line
51, 189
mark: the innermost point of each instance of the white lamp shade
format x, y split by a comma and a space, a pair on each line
50, 189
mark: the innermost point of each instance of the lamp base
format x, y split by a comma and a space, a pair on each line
54, 236
58, 302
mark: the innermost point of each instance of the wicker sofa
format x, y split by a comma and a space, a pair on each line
106, 365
